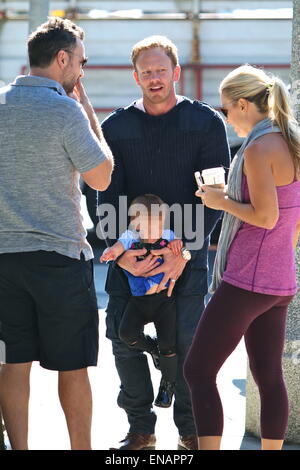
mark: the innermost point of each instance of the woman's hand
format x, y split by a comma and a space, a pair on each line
212, 197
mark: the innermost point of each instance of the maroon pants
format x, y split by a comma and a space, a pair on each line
231, 313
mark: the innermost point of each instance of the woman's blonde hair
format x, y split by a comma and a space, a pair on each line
270, 95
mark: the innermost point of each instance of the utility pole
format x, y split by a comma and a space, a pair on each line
38, 13
295, 65
196, 32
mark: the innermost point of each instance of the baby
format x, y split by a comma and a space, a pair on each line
147, 233
145, 304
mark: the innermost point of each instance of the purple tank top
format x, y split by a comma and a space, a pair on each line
262, 260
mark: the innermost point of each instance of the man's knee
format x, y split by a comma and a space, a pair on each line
123, 352
189, 310
22, 369
77, 374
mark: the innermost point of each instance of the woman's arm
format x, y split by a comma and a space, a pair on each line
263, 210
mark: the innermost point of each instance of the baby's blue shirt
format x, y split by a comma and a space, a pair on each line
140, 285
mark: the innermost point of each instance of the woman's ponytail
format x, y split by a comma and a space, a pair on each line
281, 112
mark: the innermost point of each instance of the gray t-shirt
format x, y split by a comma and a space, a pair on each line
46, 142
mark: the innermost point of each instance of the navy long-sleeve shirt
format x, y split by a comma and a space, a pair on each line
159, 155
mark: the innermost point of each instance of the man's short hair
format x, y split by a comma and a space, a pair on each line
49, 38
155, 41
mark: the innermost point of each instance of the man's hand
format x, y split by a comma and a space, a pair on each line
175, 246
79, 94
129, 262
172, 268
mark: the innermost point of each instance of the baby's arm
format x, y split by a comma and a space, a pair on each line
111, 253
175, 246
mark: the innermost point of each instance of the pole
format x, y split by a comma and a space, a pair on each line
38, 13
295, 65
196, 33
196, 59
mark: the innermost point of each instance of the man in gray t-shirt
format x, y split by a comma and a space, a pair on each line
49, 136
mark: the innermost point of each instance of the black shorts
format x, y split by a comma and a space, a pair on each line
48, 310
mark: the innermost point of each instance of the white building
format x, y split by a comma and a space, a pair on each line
212, 38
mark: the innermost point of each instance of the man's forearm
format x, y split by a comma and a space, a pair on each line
80, 95
98, 132
93, 120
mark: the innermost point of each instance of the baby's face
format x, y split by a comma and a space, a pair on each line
151, 227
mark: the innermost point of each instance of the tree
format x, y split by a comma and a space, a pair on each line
295, 64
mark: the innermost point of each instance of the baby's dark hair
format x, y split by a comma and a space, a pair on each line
147, 204
148, 200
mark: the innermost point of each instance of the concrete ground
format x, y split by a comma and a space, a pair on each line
47, 428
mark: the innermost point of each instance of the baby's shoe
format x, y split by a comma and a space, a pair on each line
165, 394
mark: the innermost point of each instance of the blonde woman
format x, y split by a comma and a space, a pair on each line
254, 275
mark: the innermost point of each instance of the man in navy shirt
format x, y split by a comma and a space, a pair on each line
158, 142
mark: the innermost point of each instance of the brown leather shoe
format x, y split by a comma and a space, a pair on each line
187, 443
137, 441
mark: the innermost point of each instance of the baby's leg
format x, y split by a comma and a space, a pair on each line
132, 328
165, 324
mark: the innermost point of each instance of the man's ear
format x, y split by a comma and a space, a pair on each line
176, 73
62, 59
136, 77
